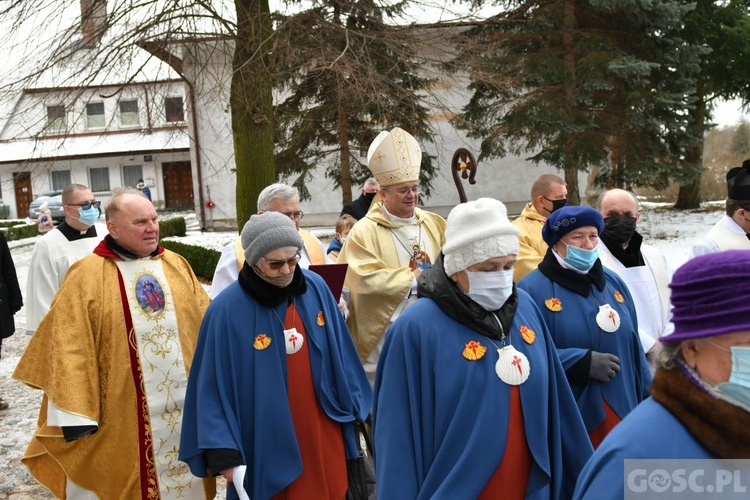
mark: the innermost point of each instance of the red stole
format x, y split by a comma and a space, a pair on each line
512, 475
610, 421
319, 438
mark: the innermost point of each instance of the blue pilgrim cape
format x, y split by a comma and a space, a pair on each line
650, 431
575, 332
441, 421
237, 394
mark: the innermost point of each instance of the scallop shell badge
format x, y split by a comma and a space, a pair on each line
528, 334
512, 366
608, 319
553, 304
473, 350
618, 297
262, 341
321, 320
293, 340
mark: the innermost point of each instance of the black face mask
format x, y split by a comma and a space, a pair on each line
556, 204
619, 228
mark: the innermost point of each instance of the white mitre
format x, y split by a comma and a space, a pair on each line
394, 157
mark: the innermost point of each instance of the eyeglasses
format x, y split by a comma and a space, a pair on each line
407, 190
87, 205
294, 215
278, 264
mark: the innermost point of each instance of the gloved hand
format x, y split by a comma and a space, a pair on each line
604, 366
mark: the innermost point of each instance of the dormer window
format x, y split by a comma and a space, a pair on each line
174, 110
129, 113
95, 115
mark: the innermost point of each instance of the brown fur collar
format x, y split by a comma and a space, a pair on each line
722, 428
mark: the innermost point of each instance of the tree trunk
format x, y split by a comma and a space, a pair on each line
690, 192
252, 106
346, 171
569, 58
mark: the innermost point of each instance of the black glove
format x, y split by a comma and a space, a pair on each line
604, 366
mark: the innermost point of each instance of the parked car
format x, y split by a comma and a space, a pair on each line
53, 199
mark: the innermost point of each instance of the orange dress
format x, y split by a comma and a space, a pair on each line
319, 438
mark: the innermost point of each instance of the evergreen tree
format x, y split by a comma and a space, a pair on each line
346, 76
580, 84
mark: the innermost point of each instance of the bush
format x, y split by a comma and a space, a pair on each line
202, 260
172, 227
21, 231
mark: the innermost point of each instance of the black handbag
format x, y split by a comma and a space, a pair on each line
360, 471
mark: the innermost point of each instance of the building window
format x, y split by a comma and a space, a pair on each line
95, 115
99, 179
56, 118
131, 174
60, 179
174, 110
129, 113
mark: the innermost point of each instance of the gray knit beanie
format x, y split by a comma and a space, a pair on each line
477, 231
267, 232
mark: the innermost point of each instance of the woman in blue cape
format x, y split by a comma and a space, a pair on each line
276, 383
700, 397
592, 320
470, 398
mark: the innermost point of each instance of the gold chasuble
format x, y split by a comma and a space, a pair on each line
115, 350
376, 277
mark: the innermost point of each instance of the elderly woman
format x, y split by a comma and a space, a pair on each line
470, 398
276, 383
592, 320
700, 404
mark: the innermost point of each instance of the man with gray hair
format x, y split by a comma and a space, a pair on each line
643, 268
274, 198
75, 238
359, 207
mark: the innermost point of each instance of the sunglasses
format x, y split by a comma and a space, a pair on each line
87, 205
278, 264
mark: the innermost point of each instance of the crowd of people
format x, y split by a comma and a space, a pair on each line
483, 358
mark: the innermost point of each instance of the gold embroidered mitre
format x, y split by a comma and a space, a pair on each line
394, 157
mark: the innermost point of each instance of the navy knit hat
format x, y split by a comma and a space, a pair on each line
566, 219
710, 296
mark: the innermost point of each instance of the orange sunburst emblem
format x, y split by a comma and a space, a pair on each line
553, 304
528, 334
321, 320
618, 297
262, 341
473, 350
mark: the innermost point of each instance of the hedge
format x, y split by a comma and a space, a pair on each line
172, 227
21, 231
202, 260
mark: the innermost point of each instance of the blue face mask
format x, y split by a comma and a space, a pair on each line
580, 258
88, 217
738, 386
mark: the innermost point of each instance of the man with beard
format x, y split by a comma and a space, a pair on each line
643, 268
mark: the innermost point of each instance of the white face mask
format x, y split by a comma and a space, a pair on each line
490, 289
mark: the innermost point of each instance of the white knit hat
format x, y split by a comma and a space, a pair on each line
394, 157
477, 231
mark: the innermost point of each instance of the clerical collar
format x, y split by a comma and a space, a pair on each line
629, 256
578, 283
74, 234
125, 254
266, 294
398, 220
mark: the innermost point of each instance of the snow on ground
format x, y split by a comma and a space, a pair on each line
673, 232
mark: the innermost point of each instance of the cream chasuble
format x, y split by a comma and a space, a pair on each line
162, 368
